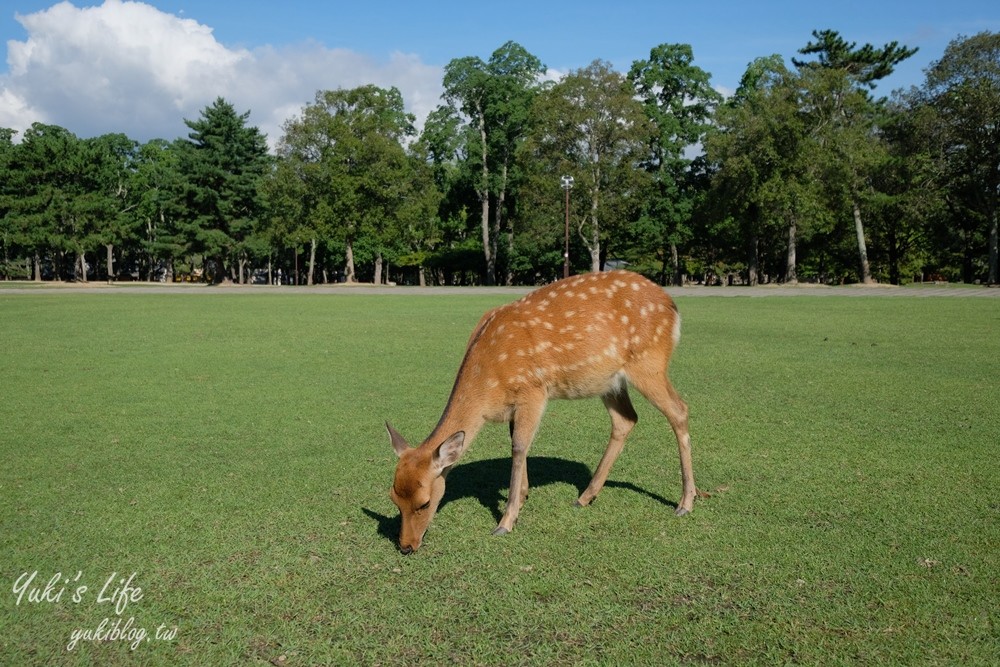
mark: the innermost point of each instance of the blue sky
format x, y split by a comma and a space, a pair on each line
143, 67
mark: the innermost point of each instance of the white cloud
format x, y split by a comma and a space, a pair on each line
129, 67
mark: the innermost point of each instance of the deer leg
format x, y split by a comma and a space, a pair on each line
658, 390
527, 416
524, 475
623, 418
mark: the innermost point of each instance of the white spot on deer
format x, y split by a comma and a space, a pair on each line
624, 319
569, 313
636, 340
619, 283
635, 287
502, 356
592, 289
611, 351
583, 297
493, 383
661, 308
570, 293
566, 329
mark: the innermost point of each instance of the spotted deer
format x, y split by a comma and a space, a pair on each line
582, 336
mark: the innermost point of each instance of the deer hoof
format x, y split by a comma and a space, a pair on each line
680, 511
500, 530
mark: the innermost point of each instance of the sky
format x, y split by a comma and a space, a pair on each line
143, 67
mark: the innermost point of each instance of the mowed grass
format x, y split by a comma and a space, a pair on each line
227, 448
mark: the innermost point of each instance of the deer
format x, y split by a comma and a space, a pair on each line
583, 336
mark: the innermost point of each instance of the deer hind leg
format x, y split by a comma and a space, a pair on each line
527, 416
623, 418
657, 389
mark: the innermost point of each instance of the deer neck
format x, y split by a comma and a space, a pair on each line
467, 411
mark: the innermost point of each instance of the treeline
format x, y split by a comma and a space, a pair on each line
802, 174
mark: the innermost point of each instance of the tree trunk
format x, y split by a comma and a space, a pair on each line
421, 276
866, 272
221, 276
378, 269
38, 268
484, 197
994, 278
753, 264
349, 265
80, 268
595, 243
312, 260
498, 219
791, 274
111, 261
675, 263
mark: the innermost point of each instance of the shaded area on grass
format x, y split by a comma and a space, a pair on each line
487, 482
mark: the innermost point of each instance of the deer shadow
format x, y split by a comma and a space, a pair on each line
487, 481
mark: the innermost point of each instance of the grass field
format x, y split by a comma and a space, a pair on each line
228, 450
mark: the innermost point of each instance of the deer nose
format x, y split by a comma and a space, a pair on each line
407, 550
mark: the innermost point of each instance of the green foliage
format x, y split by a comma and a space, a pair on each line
223, 162
343, 176
495, 97
865, 65
963, 90
590, 126
680, 101
801, 174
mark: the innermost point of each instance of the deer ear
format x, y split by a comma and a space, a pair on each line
399, 444
448, 451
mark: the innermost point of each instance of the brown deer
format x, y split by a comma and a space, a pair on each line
578, 337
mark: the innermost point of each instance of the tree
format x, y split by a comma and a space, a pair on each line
111, 160
590, 126
159, 186
680, 101
963, 88
223, 162
842, 115
343, 173
8, 232
764, 172
495, 97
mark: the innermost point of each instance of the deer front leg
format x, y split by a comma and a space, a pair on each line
523, 428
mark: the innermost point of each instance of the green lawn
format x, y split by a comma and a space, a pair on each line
228, 449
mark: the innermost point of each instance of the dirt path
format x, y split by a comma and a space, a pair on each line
928, 291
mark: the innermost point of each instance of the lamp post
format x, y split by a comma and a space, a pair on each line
567, 183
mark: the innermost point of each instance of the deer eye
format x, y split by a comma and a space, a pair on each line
424, 506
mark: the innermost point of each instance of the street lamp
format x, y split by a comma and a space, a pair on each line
567, 183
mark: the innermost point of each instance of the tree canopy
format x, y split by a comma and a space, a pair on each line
802, 174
